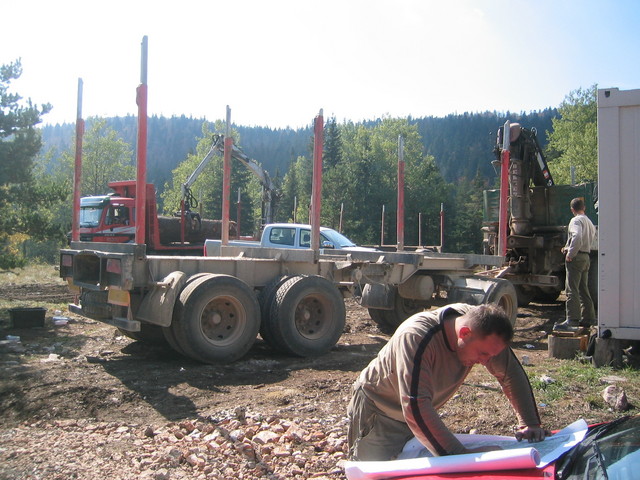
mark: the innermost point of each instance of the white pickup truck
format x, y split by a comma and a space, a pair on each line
290, 235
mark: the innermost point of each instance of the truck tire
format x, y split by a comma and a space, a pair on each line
216, 319
547, 294
307, 316
503, 293
525, 294
168, 332
266, 299
170, 337
151, 334
389, 320
377, 315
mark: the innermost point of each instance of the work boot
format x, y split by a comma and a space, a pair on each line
567, 326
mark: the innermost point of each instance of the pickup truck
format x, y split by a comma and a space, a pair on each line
290, 235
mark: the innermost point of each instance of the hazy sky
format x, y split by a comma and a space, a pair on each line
277, 63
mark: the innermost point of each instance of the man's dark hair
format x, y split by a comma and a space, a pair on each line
577, 204
490, 319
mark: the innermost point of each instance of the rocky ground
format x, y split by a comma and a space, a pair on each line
80, 400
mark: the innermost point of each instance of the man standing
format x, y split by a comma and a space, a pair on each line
396, 397
581, 234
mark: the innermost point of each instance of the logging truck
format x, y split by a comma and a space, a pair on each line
213, 308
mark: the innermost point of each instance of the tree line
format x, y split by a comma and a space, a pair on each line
448, 164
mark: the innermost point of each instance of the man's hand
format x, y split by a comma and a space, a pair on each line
532, 434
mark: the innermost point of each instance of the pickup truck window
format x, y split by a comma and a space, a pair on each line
305, 238
282, 236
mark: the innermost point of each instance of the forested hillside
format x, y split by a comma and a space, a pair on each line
461, 144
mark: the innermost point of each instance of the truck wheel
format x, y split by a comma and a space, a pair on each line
504, 295
308, 316
389, 320
525, 294
266, 299
217, 319
377, 315
547, 294
170, 337
168, 332
151, 334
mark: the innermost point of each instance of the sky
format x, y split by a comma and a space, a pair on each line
277, 63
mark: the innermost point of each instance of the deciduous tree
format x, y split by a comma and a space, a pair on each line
573, 142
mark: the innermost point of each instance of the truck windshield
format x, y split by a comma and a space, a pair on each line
90, 216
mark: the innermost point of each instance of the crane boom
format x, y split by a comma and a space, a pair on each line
217, 147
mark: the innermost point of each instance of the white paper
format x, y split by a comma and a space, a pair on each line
514, 456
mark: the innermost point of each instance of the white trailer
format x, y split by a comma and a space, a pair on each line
619, 223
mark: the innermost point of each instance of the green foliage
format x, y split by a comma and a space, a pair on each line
23, 204
361, 178
105, 158
573, 140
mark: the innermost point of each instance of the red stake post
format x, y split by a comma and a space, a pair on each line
226, 179
400, 213
504, 189
141, 178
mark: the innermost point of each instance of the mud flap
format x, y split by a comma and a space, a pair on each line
157, 305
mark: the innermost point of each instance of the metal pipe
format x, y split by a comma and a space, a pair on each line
400, 206
141, 177
77, 173
226, 179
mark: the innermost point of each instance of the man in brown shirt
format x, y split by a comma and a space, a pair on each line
424, 363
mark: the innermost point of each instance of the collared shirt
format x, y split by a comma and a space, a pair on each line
581, 234
418, 370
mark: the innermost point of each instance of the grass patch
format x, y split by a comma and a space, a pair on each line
572, 380
31, 274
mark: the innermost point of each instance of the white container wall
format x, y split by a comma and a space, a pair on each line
619, 213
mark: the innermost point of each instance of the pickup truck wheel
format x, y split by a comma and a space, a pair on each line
503, 293
307, 316
217, 319
266, 298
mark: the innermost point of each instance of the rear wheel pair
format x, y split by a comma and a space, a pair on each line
302, 315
